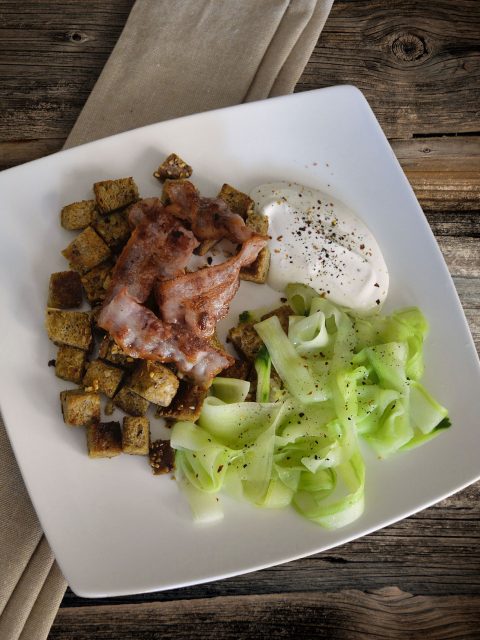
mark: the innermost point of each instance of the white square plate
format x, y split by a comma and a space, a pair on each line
115, 528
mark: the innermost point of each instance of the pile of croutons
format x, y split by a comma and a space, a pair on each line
89, 358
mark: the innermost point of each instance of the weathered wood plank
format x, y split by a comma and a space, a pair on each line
446, 153
388, 613
462, 255
418, 63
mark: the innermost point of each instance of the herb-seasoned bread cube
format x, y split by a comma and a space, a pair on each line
69, 327
258, 270
64, 290
130, 402
136, 435
245, 339
96, 281
283, 313
70, 363
77, 215
237, 201
186, 405
257, 221
154, 382
215, 342
173, 167
102, 377
162, 457
80, 407
86, 251
115, 194
104, 439
111, 352
113, 228
240, 370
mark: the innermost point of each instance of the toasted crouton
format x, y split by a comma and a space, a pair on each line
186, 405
86, 251
136, 435
111, 352
104, 439
69, 327
70, 363
283, 313
130, 402
95, 282
245, 340
173, 168
205, 246
154, 382
257, 221
77, 215
237, 201
113, 228
240, 370
215, 342
258, 270
162, 457
102, 377
115, 194
64, 290
80, 407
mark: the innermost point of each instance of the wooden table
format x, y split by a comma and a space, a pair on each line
418, 64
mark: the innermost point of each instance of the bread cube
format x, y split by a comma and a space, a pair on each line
64, 290
173, 167
96, 281
70, 363
283, 313
257, 221
115, 194
80, 407
104, 439
130, 402
111, 352
136, 436
186, 405
215, 342
86, 251
205, 246
77, 215
240, 370
237, 201
161, 457
154, 382
258, 270
102, 377
69, 327
245, 340
113, 228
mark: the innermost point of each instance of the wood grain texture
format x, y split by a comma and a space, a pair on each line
388, 613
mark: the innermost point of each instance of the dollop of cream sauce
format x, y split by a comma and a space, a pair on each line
319, 241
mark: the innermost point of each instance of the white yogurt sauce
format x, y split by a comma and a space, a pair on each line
318, 241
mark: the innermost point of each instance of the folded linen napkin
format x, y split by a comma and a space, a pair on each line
170, 60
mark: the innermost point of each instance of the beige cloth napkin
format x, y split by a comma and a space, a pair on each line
172, 59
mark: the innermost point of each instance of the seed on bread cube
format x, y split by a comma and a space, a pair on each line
186, 405
154, 382
115, 194
95, 282
104, 439
258, 270
70, 363
136, 435
111, 352
237, 201
173, 167
113, 228
69, 327
64, 290
130, 402
245, 339
80, 407
161, 457
77, 215
102, 377
86, 251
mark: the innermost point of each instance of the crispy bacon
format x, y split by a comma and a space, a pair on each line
139, 332
200, 299
159, 247
209, 218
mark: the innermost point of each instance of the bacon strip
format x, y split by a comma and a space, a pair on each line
209, 218
202, 298
139, 332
